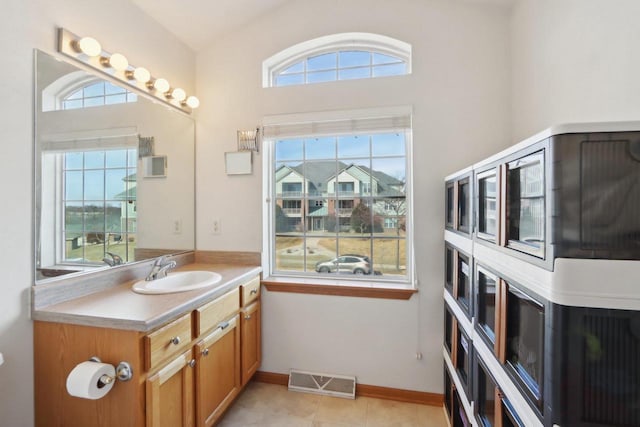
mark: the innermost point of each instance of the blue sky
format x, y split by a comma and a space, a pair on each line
387, 151
103, 175
341, 66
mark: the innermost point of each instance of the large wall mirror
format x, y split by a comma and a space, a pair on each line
114, 173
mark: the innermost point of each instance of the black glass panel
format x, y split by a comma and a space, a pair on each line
463, 361
525, 339
448, 329
450, 205
488, 205
486, 398
464, 209
449, 269
486, 309
448, 391
525, 204
459, 416
464, 282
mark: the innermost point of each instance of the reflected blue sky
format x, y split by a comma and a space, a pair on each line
98, 175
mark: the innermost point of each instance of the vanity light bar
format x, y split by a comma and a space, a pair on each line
89, 51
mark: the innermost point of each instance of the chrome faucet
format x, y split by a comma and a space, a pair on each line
160, 269
115, 259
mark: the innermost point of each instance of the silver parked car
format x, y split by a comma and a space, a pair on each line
356, 264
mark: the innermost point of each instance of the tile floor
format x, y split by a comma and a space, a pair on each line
273, 405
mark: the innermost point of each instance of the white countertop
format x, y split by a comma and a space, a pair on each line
121, 308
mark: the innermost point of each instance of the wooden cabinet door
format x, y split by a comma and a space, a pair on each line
251, 340
217, 371
170, 394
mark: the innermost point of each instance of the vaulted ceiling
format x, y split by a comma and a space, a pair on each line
199, 22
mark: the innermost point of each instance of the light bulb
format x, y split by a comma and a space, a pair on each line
178, 94
161, 85
118, 61
192, 102
141, 74
90, 46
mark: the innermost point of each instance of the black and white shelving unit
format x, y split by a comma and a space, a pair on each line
542, 286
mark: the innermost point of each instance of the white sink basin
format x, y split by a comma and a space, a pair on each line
180, 281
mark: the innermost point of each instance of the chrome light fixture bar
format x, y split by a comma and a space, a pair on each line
88, 51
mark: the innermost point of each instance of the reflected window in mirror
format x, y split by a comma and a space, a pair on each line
98, 205
97, 94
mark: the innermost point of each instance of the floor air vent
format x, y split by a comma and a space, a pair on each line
327, 384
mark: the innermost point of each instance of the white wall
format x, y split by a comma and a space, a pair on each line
460, 96
29, 24
574, 61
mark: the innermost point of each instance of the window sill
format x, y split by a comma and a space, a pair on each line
345, 288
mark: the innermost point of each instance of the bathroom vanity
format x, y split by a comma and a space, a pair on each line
191, 352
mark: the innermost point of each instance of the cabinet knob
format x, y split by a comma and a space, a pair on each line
205, 352
223, 325
192, 363
253, 291
174, 340
247, 317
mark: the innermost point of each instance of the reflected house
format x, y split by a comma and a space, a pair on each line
322, 195
128, 211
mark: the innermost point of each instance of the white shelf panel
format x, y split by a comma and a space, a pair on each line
463, 243
595, 283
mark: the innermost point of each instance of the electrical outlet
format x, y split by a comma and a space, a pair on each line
177, 226
215, 226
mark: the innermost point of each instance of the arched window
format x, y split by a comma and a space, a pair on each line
344, 56
80, 90
96, 94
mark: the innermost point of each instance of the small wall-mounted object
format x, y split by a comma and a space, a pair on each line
146, 146
248, 140
88, 51
238, 163
154, 167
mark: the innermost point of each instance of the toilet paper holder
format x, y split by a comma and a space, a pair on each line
124, 372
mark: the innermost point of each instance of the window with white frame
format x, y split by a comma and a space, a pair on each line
99, 204
345, 56
97, 94
352, 201
78, 90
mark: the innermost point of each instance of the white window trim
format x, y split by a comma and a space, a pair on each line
54, 146
57, 91
331, 43
268, 162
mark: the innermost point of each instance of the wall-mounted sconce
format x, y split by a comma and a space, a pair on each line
89, 51
241, 162
248, 140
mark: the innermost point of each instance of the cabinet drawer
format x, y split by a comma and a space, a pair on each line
250, 291
211, 314
167, 340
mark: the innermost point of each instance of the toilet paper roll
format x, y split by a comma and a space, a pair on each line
84, 380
